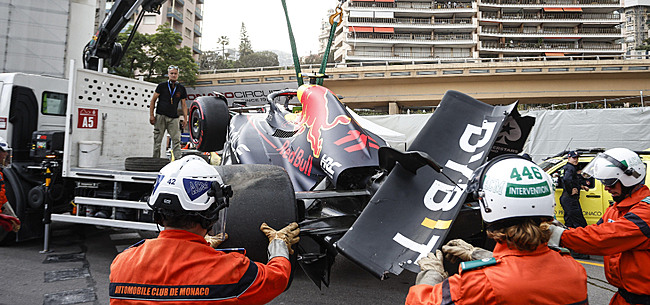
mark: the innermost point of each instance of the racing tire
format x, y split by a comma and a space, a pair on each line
261, 193
209, 120
144, 164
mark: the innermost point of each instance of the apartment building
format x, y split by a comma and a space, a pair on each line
428, 31
183, 16
636, 28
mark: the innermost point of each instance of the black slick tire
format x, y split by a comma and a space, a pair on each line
144, 164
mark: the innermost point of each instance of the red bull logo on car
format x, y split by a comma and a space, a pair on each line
314, 116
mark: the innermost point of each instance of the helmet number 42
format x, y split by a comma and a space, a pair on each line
527, 172
171, 181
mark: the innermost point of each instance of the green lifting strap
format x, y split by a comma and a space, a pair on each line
323, 65
338, 14
296, 60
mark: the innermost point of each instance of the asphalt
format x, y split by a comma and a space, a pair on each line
77, 271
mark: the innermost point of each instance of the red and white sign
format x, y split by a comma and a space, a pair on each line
3, 123
87, 118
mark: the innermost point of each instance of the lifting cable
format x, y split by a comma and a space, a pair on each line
296, 60
338, 14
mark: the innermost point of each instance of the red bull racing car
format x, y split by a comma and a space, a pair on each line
350, 193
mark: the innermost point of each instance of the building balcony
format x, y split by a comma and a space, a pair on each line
198, 13
550, 47
413, 7
180, 3
177, 31
200, 1
564, 32
354, 55
540, 3
196, 49
174, 13
536, 18
197, 30
413, 39
427, 23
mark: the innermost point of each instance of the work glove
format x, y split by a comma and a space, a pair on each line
556, 236
216, 240
288, 234
432, 271
458, 249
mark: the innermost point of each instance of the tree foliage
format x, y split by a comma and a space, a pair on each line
212, 60
245, 46
150, 55
258, 59
316, 58
224, 41
645, 46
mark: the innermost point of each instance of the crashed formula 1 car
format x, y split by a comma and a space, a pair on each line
380, 208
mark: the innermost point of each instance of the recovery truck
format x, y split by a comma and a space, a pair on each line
80, 148
70, 138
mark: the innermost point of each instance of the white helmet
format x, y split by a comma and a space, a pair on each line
190, 186
616, 164
509, 187
4, 146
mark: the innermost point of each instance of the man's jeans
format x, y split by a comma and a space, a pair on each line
172, 125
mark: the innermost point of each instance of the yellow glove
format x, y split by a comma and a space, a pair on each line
215, 241
288, 234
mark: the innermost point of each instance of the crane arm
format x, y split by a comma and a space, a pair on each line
103, 44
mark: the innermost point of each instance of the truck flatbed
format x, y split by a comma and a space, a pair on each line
118, 175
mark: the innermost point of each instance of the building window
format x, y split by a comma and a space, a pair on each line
188, 14
151, 19
188, 33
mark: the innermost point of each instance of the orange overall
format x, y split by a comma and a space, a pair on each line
622, 236
180, 267
543, 276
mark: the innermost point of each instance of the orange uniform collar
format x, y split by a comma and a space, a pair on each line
501, 250
184, 235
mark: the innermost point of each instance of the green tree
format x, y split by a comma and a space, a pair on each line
245, 46
258, 59
152, 54
645, 46
223, 41
211, 60
134, 57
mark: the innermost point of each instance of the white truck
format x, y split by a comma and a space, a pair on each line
81, 130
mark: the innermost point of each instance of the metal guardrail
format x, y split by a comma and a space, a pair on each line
546, 31
551, 46
551, 16
381, 36
175, 13
412, 21
412, 5
552, 2
435, 61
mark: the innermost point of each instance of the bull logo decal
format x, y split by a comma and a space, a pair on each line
314, 116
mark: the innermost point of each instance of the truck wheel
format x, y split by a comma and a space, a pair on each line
144, 164
209, 119
261, 193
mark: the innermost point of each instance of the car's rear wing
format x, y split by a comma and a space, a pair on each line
411, 214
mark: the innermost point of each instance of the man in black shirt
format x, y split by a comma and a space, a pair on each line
168, 94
